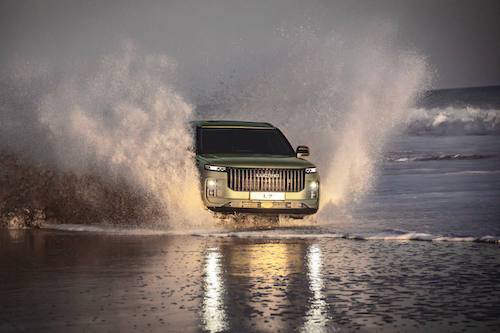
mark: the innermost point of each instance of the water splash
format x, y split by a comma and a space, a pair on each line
121, 118
344, 98
124, 118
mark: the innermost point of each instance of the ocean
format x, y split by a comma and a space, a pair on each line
419, 251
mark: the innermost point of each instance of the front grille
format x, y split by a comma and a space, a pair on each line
266, 180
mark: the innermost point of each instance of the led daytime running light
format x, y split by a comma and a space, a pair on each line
311, 170
215, 168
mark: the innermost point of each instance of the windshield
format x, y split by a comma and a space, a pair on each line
242, 141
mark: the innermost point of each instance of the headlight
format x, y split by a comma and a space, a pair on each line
215, 168
311, 170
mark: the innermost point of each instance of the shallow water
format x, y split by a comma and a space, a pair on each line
73, 281
419, 253
442, 185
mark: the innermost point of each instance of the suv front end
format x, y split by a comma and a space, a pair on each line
251, 168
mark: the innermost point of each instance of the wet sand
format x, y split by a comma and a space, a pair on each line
76, 281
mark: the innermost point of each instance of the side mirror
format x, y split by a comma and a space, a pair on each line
302, 151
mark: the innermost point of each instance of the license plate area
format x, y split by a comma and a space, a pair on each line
273, 196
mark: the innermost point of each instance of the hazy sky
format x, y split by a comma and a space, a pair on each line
460, 38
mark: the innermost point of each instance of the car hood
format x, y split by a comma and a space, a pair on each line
255, 161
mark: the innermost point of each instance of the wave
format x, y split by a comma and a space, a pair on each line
409, 236
473, 172
118, 231
454, 121
102, 229
277, 233
415, 157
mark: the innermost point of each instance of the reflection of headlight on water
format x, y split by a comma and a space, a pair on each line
214, 314
263, 263
314, 266
316, 319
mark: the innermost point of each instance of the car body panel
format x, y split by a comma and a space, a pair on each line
255, 161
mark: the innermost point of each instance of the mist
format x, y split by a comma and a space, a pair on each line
210, 39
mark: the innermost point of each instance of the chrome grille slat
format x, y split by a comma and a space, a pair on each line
266, 179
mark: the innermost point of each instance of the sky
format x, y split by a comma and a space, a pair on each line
461, 39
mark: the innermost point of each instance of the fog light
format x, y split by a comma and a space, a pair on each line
211, 188
313, 187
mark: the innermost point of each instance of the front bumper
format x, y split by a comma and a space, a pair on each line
223, 199
264, 211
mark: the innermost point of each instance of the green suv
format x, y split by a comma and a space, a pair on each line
250, 167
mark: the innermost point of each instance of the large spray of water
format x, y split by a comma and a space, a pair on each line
127, 118
124, 117
344, 98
